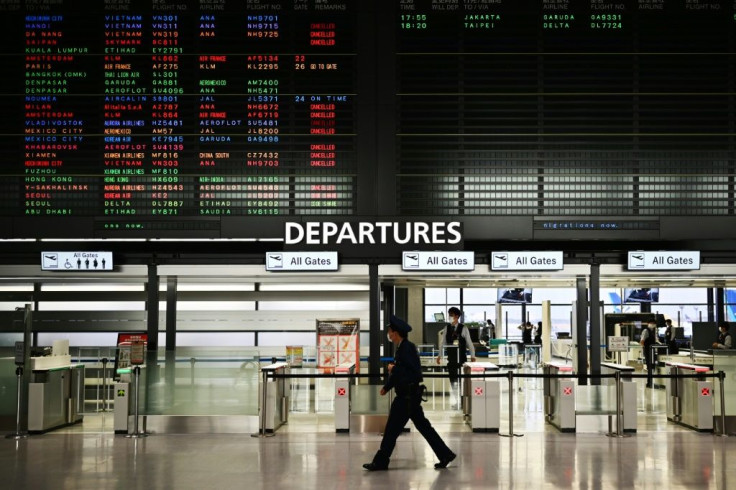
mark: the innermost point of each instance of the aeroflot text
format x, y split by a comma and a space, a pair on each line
325, 233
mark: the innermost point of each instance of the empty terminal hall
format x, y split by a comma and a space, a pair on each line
368, 244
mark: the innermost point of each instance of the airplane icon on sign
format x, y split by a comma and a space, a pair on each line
500, 261
637, 260
274, 261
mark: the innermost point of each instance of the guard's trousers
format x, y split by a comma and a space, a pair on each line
404, 409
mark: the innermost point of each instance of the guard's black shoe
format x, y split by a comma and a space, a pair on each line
445, 461
374, 467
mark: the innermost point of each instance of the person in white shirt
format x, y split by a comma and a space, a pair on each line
457, 337
724, 338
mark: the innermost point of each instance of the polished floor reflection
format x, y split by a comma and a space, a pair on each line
297, 458
306, 453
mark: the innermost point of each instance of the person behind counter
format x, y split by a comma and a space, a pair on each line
647, 340
405, 377
526, 332
669, 338
724, 338
490, 331
455, 334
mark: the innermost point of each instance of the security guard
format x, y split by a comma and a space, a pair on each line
405, 377
647, 339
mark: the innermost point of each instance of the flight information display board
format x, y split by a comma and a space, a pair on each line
566, 107
154, 116
206, 118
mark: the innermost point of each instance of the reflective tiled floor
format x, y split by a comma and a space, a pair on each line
307, 454
318, 460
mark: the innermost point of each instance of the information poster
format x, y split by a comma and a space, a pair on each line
295, 355
125, 343
338, 342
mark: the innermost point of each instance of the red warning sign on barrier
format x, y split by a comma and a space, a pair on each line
705, 392
479, 391
567, 391
341, 392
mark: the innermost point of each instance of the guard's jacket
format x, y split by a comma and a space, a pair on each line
406, 375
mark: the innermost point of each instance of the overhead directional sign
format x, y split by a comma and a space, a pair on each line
527, 261
438, 261
663, 260
76, 261
301, 261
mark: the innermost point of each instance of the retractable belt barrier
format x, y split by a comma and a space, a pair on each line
510, 375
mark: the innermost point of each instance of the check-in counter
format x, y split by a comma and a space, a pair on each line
559, 397
482, 397
690, 400
55, 397
628, 392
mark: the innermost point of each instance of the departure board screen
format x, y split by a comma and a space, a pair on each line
164, 116
565, 107
211, 118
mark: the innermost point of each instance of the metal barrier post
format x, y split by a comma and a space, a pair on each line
104, 384
510, 376
18, 434
619, 408
723, 433
136, 434
262, 409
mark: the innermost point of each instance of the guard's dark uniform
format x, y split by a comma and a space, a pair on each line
649, 355
456, 354
405, 379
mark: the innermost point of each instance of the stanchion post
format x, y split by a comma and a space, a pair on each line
510, 376
619, 405
104, 384
136, 434
18, 434
723, 433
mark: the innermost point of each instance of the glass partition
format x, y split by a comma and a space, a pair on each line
99, 377
8, 392
596, 399
202, 381
725, 361
367, 400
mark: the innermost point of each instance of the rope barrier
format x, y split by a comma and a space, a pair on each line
500, 375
